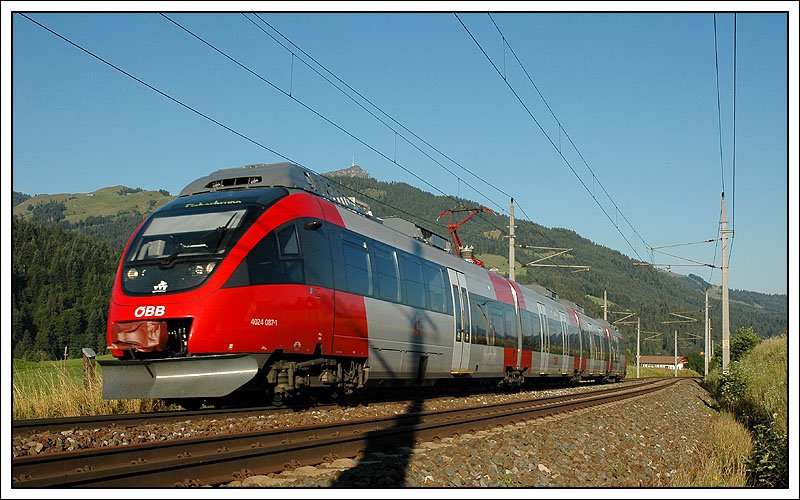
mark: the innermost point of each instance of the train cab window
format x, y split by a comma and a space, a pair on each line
413, 284
275, 259
287, 242
358, 274
316, 248
387, 279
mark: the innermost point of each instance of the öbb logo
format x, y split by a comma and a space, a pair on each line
149, 311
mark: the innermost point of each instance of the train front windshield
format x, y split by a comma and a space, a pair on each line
179, 249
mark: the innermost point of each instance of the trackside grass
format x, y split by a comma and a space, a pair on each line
46, 390
722, 459
756, 392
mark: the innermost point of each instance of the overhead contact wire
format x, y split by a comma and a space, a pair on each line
216, 122
547, 136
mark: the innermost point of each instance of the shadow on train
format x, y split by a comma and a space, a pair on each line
386, 458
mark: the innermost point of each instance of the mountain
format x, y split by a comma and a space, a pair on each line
354, 171
108, 216
110, 213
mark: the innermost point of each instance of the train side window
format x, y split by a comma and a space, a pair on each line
412, 281
555, 336
434, 284
536, 344
480, 325
527, 330
496, 325
510, 327
388, 282
358, 275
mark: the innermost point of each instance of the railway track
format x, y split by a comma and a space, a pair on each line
53, 425
220, 459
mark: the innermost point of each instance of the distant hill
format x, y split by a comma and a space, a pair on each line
17, 198
111, 214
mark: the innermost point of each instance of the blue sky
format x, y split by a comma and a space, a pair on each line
636, 92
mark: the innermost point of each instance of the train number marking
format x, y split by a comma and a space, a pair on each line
264, 322
149, 311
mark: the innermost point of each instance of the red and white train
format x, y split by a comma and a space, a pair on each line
266, 278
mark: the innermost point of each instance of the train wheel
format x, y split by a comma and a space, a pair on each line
279, 399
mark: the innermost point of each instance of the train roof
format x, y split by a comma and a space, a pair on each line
285, 174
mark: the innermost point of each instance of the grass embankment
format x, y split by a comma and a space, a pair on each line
46, 390
747, 444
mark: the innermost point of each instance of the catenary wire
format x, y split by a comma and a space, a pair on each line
320, 115
211, 119
548, 137
562, 129
733, 195
719, 113
393, 120
372, 104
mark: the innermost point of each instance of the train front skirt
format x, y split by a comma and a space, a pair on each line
196, 377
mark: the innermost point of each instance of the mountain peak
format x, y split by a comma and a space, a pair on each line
353, 171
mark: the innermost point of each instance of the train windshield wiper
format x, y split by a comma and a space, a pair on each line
182, 250
222, 230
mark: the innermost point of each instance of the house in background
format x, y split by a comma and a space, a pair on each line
662, 362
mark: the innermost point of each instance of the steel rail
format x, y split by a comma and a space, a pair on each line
124, 420
220, 459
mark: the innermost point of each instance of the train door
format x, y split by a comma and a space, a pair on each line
544, 329
462, 322
564, 343
592, 349
517, 328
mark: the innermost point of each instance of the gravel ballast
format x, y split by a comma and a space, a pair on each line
640, 442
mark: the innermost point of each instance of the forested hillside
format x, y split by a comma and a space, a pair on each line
60, 290
66, 249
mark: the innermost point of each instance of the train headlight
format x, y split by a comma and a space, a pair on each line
201, 269
132, 274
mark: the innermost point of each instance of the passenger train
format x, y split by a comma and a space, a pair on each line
267, 278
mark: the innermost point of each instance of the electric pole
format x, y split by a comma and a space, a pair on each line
726, 333
638, 337
511, 242
676, 353
706, 352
